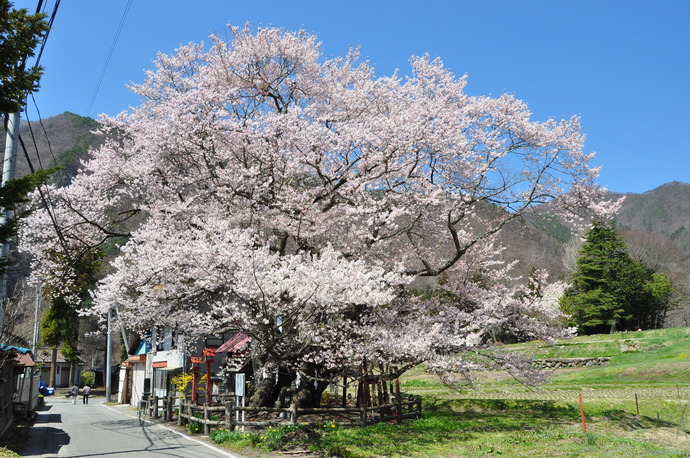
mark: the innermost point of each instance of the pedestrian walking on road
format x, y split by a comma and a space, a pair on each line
74, 393
85, 391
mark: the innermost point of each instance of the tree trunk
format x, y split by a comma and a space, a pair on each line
263, 393
309, 394
53, 366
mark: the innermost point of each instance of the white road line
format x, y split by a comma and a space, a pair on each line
223, 452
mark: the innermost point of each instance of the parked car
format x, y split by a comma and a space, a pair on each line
45, 390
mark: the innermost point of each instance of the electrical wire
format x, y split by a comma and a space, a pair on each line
110, 55
46, 201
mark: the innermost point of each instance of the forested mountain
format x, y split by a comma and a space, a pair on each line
60, 140
655, 224
664, 210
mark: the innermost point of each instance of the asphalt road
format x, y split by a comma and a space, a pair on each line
98, 430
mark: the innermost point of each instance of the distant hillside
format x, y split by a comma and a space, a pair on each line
60, 140
664, 210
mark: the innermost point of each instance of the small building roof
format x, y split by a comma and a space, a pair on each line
234, 343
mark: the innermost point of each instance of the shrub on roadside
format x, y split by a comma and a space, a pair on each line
88, 378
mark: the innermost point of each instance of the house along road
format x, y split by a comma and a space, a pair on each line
98, 430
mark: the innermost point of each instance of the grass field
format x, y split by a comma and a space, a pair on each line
637, 405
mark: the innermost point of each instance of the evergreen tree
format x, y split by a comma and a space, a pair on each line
60, 323
612, 291
20, 33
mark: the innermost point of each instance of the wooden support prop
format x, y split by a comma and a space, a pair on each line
293, 413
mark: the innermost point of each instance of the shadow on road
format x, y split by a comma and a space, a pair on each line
48, 418
58, 439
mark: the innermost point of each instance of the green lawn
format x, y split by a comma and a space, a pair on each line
648, 372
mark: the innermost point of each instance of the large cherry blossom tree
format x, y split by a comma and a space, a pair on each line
300, 200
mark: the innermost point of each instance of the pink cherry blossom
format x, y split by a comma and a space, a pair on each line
302, 200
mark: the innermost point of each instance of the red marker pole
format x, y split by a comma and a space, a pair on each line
582, 413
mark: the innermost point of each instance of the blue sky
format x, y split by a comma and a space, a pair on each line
623, 66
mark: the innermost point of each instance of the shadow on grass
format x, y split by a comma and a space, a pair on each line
450, 421
631, 422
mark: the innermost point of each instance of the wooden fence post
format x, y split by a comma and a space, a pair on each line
293, 413
207, 427
228, 415
179, 412
155, 407
165, 408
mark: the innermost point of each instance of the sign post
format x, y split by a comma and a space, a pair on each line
239, 393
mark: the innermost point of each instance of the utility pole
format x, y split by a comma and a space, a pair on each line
109, 351
6, 214
29, 406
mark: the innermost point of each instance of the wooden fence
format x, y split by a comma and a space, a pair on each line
169, 407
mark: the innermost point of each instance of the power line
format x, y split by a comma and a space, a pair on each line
110, 54
50, 27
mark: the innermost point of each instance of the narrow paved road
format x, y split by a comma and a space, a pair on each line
94, 429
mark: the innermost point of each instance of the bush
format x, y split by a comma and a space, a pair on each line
271, 439
88, 378
223, 435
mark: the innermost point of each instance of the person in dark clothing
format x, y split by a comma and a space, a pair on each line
85, 391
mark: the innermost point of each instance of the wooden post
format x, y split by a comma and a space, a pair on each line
293, 413
384, 385
344, 391
155, 407
363, 415
228, 415
637, 405
207, 427
179, 412
165, 408
171, 401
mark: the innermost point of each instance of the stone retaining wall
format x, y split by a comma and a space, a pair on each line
557, 363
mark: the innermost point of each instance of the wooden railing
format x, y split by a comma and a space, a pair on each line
398, 410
